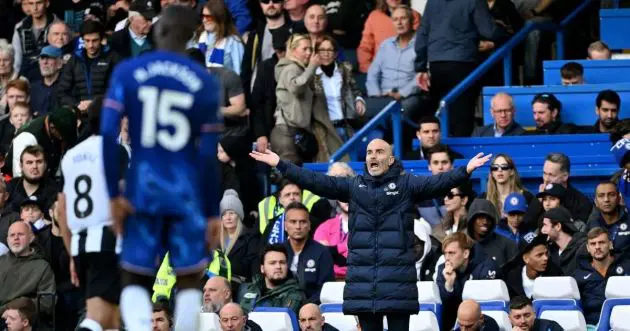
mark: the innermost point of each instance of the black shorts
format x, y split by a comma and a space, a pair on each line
99, 275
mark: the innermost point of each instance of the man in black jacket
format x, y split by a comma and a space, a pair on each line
523, 317
133, 40
502, 111
546, 108
482, 220
381, 278
86, 75
566, 242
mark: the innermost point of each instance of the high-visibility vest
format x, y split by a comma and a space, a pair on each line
269, 209
165, 278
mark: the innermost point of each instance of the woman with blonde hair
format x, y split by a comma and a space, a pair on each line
303, 130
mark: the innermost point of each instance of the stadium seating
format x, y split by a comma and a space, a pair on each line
595, 72
617, 297
613, 28
620, 318
501, 317
209, 322
578, 101
340, 321
556, 288
424, 321
429, 298
486, 290
554, 294
275, 319
570, 320
331, 296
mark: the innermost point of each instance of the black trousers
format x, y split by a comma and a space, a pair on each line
374, 322
461, 112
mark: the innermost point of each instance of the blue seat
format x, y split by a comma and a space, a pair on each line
578, 101
544, 304
331, 307
613, 27
294, 320
604, 317
595, 72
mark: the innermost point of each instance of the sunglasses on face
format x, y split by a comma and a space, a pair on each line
266, 2
451, 195
497, 167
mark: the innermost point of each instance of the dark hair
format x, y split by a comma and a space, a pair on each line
520, 302
428, 119
609, 96
32, 150
561, 159
160, 306
605, 182
621, 129
439, 148
91, 26
382, 5
296, 205
223, 19
94, 115
571, 70
329, 39
285, 182
596, 232
25, 307
280, 248
550, 100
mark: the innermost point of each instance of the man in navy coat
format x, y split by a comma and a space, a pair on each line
381, 278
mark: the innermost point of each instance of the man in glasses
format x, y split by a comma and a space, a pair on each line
546, 109
502, 111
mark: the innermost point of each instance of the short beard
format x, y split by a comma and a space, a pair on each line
274, 17
278, 282
32, 181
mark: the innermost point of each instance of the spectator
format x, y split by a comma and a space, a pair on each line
44, 92
470, 318
546, 109
20, 315
119, 12
440, 161
25, 271
456, 202
134, 39
334, 232
54, 132
607, 107
17, 91
271, 209
30, 37
448, 42
76, 87
482, 220
593, 271
532, 262
613, 217
217, 295
300, 110
311, 319
429, 135
502, 111
566, 242
238, 242
273, 287
598, 50
463, 261
553, 196
513, 228
379, 26
219, 39
572, 73
264, 91
311, 263
336, 82
391, 72
345, 21
316, 23
33, 183
523, 318
232, 318
7, 72
7, 216
296, 10
162, 319
31, 212
381, 242
58, 35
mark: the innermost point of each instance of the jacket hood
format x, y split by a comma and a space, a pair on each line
394, 171
283, 63
481, 207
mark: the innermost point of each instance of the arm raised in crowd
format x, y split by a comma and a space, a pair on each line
337, 188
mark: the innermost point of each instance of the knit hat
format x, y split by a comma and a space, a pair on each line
231, 201
65, 121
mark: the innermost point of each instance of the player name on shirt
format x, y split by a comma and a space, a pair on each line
167, 68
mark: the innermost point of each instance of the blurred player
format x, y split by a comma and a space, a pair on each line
171, 187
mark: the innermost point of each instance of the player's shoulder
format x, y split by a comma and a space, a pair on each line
92, 144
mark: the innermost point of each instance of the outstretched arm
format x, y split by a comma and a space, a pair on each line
337, 188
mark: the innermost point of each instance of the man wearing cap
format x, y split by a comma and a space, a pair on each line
566, 241
552, 196
44, 91
612, 215
132, 40
147, 4
546, 109
513, 228
532, 262
594, 269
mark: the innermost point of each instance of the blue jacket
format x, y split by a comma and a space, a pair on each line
381, 274
315, 267
479, 267
619, 232
546, 325
520, 239
592, 284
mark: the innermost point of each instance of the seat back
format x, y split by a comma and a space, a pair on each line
605, 314
618, 287
485, 290
332, 292
595, 72
274, 319
424, 321
571, 320
428, 292
620, 318
501, 317
340, 321
556, 288
611, 24
209, 322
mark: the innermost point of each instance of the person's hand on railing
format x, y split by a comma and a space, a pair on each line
423, 80
267, 157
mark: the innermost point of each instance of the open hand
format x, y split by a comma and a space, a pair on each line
423, 80
477, 161
267, 157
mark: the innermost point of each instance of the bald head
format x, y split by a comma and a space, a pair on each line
311, 318
216, 293
232, 317
469, 315
378, 157
315, 19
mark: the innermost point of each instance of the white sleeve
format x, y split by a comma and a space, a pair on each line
20, 142
121, 25
17, 47
3, 249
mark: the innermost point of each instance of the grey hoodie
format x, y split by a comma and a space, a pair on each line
294, 94
497, 247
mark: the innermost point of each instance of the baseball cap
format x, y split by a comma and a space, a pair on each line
554, 190
620, 151
144, 8
515, 202
51, 51
96, 9
540, 239
563, 216
32, 201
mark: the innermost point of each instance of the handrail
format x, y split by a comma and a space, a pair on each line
505, 52
391, 110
